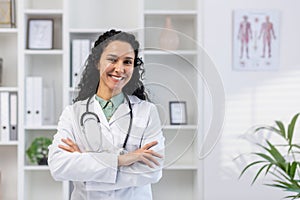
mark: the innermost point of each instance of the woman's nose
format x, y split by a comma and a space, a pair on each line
119, 67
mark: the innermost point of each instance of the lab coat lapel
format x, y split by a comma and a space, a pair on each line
98, 110
124, 109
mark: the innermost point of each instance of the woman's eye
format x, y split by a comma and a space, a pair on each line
128, 62
113, 60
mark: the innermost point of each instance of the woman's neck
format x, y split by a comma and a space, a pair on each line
106, 94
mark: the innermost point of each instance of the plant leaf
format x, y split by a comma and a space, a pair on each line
296, 145
277, 185
266, 157
258, 173
269, 128
291, 128
250, 165
288, 186
292, 170
268, 169
280, 161
284, 176
281, 128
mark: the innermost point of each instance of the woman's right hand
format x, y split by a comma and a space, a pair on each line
70, 145
144, 155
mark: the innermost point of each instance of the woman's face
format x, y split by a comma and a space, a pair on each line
116, 66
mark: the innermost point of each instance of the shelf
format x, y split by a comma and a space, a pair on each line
44, 12
8, 30
8, 89
44, 52
170, 12
44, 127
36, 168
9, 143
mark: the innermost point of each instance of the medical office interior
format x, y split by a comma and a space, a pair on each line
204, 53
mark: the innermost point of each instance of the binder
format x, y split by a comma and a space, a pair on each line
29, 101
80, 51
38, 101
34, 93
13, 113
4, 116
48, 105
76, 61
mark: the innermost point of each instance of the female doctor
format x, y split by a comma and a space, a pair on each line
109, 143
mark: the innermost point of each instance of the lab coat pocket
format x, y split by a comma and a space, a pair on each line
136, 135
139, 122
137, 128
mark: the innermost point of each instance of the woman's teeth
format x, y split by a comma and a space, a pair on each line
117, 78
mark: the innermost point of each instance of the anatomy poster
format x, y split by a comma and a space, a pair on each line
255, 40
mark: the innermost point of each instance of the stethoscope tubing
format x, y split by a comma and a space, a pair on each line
87, 112
130, 123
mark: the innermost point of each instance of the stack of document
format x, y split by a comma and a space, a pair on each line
8, 116
80, 52
33, 101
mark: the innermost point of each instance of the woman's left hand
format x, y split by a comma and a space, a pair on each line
71, 146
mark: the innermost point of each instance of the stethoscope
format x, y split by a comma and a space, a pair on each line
93, 130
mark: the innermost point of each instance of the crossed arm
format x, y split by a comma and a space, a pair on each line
106, 171
143, 155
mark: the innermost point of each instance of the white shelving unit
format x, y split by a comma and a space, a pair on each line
170, 75
9, 42
173, 76
35, 182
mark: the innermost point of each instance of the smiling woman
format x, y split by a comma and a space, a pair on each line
110, 141
112, 53
115, 67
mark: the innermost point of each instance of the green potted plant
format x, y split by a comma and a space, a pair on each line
279, 159
37, 152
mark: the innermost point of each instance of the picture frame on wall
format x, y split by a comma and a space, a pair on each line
40, 34
178, 112
256, 40
7, 14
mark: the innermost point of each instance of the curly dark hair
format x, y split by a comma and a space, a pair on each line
89, 82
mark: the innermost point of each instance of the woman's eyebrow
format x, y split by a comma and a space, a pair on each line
128, 57
115, 56
112, 55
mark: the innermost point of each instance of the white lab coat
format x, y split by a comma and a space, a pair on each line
96, 175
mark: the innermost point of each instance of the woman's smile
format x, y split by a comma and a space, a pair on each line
116, 77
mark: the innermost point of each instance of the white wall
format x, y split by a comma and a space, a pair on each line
251, 97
